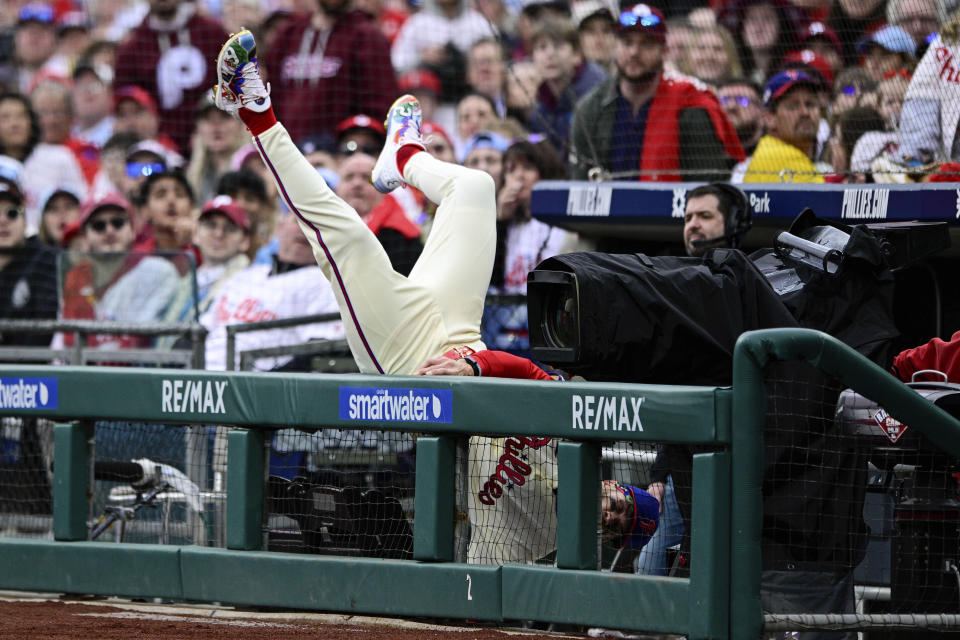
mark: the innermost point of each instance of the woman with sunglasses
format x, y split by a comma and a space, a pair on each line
28, 271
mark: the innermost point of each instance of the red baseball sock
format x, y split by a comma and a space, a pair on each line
256, 122
404, 154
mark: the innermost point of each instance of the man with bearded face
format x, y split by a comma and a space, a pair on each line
328, 66
646, 121
784, 154
741, 101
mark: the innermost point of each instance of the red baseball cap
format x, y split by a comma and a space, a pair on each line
428, 127
93, 205
643, 17
361, 121
818, 30
71, 231
138, 94
227, 206
818, 63
421, 79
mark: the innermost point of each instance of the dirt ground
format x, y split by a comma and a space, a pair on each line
61, 619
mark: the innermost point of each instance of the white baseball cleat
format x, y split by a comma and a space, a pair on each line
239, 84
403, 128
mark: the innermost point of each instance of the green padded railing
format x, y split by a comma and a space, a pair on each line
719, 600
754, 350
583, 414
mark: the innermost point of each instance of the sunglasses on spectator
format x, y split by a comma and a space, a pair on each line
630, 19
350, 148
143, 169
13, 213
743, 101
117, 222
850, 90
894, 73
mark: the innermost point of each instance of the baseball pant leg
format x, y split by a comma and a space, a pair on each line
392, 324
457, 259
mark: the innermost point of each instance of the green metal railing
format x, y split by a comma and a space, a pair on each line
719, 600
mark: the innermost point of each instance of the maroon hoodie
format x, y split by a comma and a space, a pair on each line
176, 63
314, 87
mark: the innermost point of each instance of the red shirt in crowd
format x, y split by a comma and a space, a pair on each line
319, 79
176, 64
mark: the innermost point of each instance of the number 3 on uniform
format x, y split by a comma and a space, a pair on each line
469, 585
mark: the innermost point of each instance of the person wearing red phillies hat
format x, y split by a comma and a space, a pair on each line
112, 282
438, 141
807, 60
359, 133
426, 86
222, 236
824, 42
136, 111
647, 122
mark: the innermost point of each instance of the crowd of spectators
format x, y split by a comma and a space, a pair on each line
109, 139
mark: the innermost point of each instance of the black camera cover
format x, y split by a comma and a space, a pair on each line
667, 319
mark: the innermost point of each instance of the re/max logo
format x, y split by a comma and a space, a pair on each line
607, 413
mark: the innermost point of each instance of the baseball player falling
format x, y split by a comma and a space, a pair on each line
393, 323
418, 323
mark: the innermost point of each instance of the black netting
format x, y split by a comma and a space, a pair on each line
341, 492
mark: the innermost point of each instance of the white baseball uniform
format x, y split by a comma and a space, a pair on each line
513, 499
394, 323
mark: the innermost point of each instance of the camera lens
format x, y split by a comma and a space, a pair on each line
561, 319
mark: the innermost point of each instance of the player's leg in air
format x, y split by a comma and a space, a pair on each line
393, 323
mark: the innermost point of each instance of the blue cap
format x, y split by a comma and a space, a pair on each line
486, 140
36, 12
11, 170
783, 81
891, 38
646, 516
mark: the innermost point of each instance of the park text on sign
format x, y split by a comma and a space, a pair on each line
193, 396
606, 413
28, 393
396, 405
760, 204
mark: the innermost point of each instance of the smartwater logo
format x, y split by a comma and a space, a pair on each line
396, 405
28, 393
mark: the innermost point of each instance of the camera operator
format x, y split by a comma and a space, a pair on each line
715, 217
